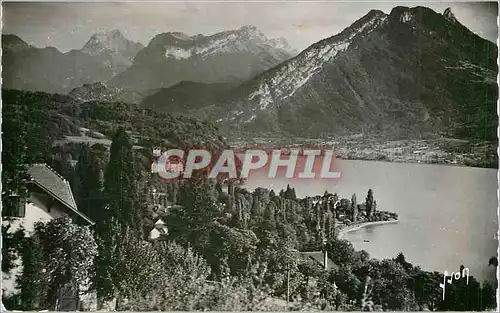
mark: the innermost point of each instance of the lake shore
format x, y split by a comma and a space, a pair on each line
356, 227
437, 151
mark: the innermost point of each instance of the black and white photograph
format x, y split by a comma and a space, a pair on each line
249, 156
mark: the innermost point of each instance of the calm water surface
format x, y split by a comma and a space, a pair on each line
448, 214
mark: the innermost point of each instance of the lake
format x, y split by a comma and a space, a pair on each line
448, 214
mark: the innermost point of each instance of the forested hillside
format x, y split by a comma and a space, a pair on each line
49, 117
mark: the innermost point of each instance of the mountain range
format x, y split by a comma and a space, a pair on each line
110, 58
229, 56
410, 73
50, 70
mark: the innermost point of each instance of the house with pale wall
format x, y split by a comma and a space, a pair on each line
49, 197
159, 231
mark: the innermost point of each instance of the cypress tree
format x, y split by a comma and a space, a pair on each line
369, 203
121, 210
290, 193
88, 185
354, 208
120, 185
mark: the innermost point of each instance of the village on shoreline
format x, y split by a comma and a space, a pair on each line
442, 151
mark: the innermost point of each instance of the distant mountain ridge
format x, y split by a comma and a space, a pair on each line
228, 56
403, 74
12, 43
47, 69
101, 92
121, 64
179, 99
409, 73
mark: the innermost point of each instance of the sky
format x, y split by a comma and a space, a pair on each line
68, 26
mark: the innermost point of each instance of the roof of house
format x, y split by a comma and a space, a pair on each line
159, 221
57, 186
163, 231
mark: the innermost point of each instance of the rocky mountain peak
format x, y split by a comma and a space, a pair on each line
111, 41
285, 80
112, 34
180, 35
280, 43
403, 14
365, 24
251, 31
104, 37
249, 28
348, 72
216, 58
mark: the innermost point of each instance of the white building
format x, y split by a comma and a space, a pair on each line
159, 231
49, 197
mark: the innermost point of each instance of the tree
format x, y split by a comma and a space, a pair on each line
354, 208
493, 261
427, 291
370, 207
59, 253
121, 213
360, 264
171, 278
237, 246
347, 282
345, 204
218, 188
14, 158
137, 265
88, 185
199, 208
14, 172
341, 251
401, 260
290, 193
390, 285
183, 278
120, 185
488, 297
60, 162
104, 282
33, 282
11, 246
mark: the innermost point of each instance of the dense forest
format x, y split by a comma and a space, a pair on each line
226, 248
